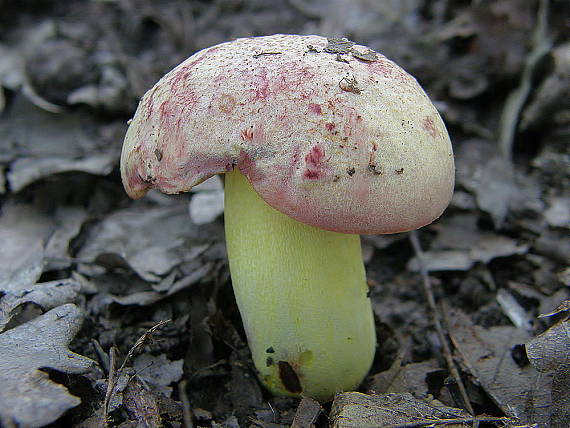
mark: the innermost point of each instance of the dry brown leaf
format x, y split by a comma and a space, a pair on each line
487, 354
307, 413
23, 234
550, 352
28, 397
404, 378
356, 410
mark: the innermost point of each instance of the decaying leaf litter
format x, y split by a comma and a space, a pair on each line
76, 252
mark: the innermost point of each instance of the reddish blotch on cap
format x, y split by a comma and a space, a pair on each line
327, 132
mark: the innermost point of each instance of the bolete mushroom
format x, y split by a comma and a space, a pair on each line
321, 140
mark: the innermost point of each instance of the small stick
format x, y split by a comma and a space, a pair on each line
112, 380
143, 340
516, 100
101, 355
435, 318
257, 55
186, 409
114, 375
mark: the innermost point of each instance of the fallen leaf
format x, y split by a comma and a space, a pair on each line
497, 32
109, 93
550, 352
11, 67
243, 388
39, 143
552, 161
116, 400
27, 170
68, 221
562, 307
383, 241
356, 410
481, 248
141, 404
541, 44
28, 397
550, 349
232, 422
450, 260
307, 413
400, 378
564, 277
552, 93
561, 396
499, 188
519, 392
548, 302
44, 295
495, 188
554, 244
558, 212
491, 246
149, 239
158, 371
460, 244
146, 298
23, 234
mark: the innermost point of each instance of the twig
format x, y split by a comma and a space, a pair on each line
38, 101
517, 98
186, 409
111, 382
257, 55
114, 375
142, 341
101, 355
436, 321
272, 411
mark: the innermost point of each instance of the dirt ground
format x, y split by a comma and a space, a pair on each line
124, 309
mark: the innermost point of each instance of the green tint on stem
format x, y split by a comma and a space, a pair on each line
302, 295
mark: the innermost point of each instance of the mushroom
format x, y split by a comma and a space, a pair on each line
320, 140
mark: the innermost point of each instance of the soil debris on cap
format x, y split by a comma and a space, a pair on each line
257, 55
369, 55
344, 46
349, 84
375, 169
338, 46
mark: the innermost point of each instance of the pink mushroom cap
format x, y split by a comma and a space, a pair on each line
327, 132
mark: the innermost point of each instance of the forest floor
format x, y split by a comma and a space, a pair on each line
124, 308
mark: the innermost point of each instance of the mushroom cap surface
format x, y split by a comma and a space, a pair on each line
328, 132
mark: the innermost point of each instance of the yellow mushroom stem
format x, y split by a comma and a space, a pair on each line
302, 295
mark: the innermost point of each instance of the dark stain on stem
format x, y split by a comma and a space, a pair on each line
289, 378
